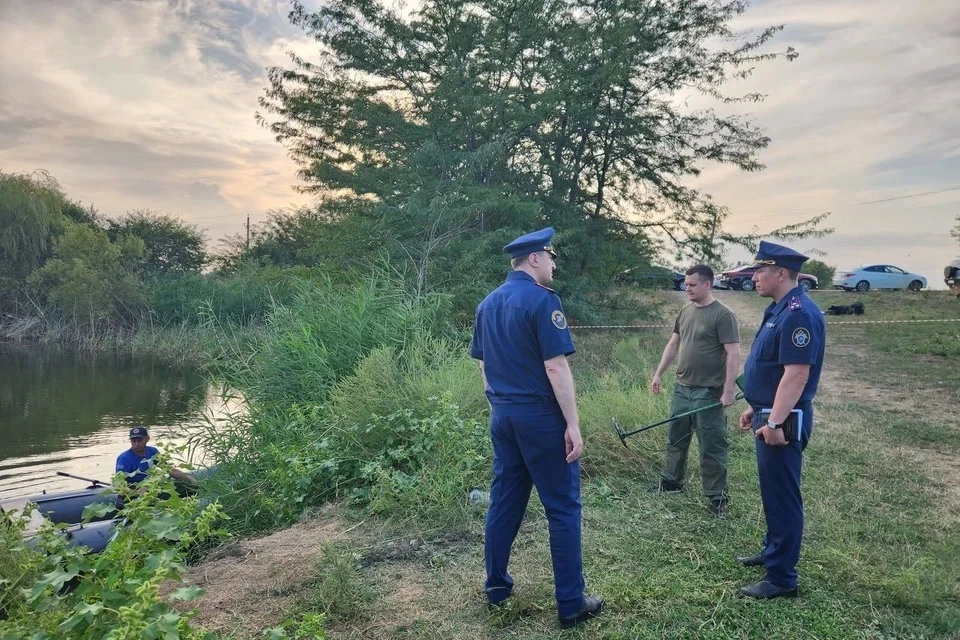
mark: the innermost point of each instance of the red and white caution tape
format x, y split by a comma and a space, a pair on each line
744, 324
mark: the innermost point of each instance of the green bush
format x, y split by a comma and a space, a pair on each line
399, 465
823, 272
90, 281
427, 465
340, 593
238, 298
390, 380
321, 335
116, 593
354, 395
20, 565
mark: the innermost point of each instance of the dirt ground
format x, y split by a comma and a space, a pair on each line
253, 585
250, 585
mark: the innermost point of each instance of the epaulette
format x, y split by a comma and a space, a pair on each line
795, 303
545, 287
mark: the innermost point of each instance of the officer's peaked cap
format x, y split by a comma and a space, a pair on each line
532, 243
776, 254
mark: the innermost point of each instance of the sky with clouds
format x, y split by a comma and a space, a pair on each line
150, 104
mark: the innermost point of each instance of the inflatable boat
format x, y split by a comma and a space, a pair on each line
66, 507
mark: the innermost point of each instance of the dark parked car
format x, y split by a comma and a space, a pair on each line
951, 276
740, 279
654, 278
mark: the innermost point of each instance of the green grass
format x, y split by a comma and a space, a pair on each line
880, 560
340, 593
904, 426
900, 353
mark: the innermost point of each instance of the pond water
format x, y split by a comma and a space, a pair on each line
65, 411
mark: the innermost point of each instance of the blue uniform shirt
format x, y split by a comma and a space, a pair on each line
129, 462
792, 332
518, 327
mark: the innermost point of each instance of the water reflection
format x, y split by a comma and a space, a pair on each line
63, 411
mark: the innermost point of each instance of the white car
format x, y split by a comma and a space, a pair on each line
878, 276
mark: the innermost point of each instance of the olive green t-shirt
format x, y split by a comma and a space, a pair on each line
703, 331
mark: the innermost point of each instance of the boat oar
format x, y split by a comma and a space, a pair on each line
623, 435
90, 480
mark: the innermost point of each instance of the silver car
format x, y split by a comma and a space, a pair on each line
878, 276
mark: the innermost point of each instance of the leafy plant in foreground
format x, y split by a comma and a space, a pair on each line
118, 594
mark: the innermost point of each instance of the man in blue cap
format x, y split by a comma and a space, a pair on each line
781, 376
522, 342
135, 461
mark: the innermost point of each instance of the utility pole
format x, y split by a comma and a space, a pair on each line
248, 232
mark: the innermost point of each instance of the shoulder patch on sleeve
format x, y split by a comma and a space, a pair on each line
558, 319
800, 337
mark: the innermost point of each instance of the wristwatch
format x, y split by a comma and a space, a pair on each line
773, 425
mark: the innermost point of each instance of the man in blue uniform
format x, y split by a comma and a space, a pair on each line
522, 341
136, 460
780, 380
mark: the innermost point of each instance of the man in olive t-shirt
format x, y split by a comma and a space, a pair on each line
707, 338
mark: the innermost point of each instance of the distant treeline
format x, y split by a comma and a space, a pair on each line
63, 264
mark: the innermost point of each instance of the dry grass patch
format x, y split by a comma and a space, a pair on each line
408, 597
251, 585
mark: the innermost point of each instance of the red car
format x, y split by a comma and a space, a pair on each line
740, 279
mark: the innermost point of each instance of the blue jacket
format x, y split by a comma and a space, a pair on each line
792, 332
518, 327
129, 462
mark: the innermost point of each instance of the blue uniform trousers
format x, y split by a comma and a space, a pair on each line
779, 469
529, 450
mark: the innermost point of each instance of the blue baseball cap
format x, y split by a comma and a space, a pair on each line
771, 253
532, 243
138, 432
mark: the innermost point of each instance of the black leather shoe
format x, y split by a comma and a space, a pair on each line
665, 486
765, 590
592, 606
752, 561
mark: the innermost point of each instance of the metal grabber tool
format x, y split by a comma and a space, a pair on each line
623, 435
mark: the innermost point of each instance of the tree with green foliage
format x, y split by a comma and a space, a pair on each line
822, 271
31, 213
80, 214
91, 281
172, 246
466, 123
334, 234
